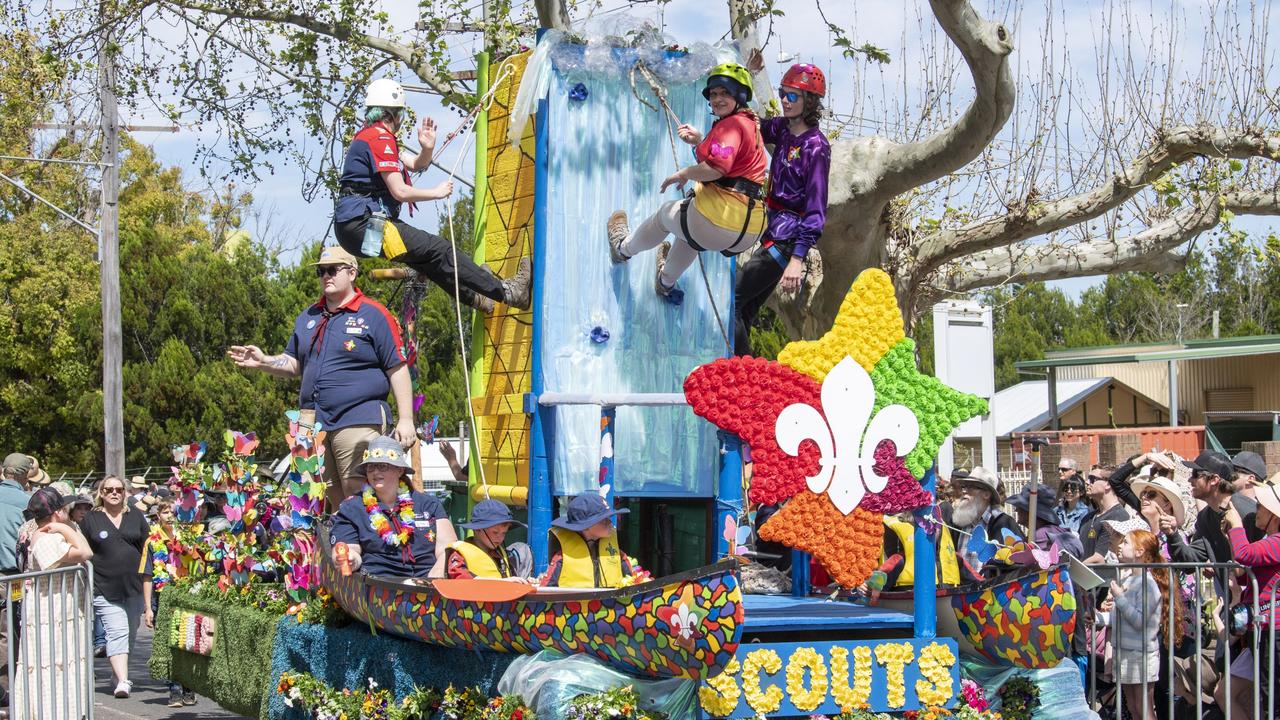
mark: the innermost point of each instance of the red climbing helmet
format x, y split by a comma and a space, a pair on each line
803, 76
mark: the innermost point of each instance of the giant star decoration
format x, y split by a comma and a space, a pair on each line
842, 428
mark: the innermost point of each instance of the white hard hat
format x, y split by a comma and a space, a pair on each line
384, 92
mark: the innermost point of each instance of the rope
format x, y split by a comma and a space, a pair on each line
673, 121
504, 71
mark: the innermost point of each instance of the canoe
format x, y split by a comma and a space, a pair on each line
684, 626
1024, 620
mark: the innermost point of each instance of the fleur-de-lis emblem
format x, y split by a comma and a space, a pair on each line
847, 435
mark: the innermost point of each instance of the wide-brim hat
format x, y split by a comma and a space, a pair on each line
1123, 527
139, 482
983, 478
586, 510
385, 450
1268, 495
1167, 488
1046, 501
37, 475
488, 513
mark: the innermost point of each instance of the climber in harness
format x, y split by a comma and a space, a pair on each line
375, 184
725, 210
797, 202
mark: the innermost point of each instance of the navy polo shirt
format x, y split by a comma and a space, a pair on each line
344, 358
351, 525
372, 152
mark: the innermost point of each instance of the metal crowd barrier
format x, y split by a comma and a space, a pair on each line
1217, 645
50, 643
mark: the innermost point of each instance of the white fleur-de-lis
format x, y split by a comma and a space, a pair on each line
845, 438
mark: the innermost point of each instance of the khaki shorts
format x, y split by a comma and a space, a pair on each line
344, 450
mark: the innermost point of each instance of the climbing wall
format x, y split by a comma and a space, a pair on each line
503, 427
603, 328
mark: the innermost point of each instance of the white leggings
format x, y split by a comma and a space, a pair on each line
666, 221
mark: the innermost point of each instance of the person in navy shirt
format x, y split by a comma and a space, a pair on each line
390, 529
375, 179
349, 353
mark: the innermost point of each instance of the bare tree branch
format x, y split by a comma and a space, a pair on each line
552, 15
406, 54
742, 26
1152, 250
985, 46
1031, 219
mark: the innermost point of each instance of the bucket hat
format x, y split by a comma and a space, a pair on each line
488, 513
586, 510
385, 450
1046, 501
1167, 488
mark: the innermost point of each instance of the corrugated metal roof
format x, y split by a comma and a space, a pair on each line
1190, 350
1025, 406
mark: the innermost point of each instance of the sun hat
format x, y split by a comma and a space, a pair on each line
385, 450
1045, 501
586, 510
983, 478
138, 482
1250, 462
45, 502
37, 475
1124, 527
1169, 489
488, 513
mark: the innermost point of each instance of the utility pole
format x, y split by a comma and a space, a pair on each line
109, 249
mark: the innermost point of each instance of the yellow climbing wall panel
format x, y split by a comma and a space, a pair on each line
503, 425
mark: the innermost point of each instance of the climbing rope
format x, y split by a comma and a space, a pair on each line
505, 70
673, 122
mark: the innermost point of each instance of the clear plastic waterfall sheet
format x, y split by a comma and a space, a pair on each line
1061, 689
605, 330
547, 681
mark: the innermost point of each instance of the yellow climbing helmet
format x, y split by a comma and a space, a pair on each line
733, 78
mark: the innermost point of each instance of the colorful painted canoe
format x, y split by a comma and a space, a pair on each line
685, 626
1024, 620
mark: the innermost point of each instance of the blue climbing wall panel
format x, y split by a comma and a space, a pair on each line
605, 151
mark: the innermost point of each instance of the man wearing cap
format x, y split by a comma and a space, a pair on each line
1212, 483
349, 353
13, 504
584, 547
979, 496
483, 555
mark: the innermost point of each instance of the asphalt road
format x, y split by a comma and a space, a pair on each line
150, 697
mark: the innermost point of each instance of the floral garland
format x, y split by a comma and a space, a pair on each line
620, 703
163, 571
1019, 698
379, 522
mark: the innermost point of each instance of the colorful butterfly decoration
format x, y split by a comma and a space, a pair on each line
841, 429
721, 152
242, 444
737, 537
427, 431
187, 454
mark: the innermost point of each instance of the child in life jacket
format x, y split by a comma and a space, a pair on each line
483, 555
584, 548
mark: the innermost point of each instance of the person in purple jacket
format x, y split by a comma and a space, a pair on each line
797, 200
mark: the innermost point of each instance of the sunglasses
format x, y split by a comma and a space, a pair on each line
788, 95
330, 270
112, 490
1150, 495
1064, 469
1096, 478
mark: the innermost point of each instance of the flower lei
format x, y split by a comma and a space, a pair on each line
162, 568
378, 520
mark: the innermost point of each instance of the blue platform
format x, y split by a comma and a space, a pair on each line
783, 613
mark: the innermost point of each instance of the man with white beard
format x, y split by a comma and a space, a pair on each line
979, 496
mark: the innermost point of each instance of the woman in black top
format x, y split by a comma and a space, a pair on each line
117, 535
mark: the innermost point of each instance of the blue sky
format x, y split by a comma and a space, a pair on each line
1049, 38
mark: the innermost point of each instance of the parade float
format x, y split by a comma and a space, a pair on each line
603, 387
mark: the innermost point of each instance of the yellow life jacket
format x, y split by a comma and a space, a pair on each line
948, 568
578, 568
480, 562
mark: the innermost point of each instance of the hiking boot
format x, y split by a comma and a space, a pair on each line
476, 300
616, 230
175, 697
517, 291
662, 289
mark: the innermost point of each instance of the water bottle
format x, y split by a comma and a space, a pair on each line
372, 244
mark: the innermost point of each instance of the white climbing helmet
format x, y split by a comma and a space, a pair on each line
384, 92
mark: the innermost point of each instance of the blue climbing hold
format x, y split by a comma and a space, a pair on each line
578, 92
674, 297
599, 335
